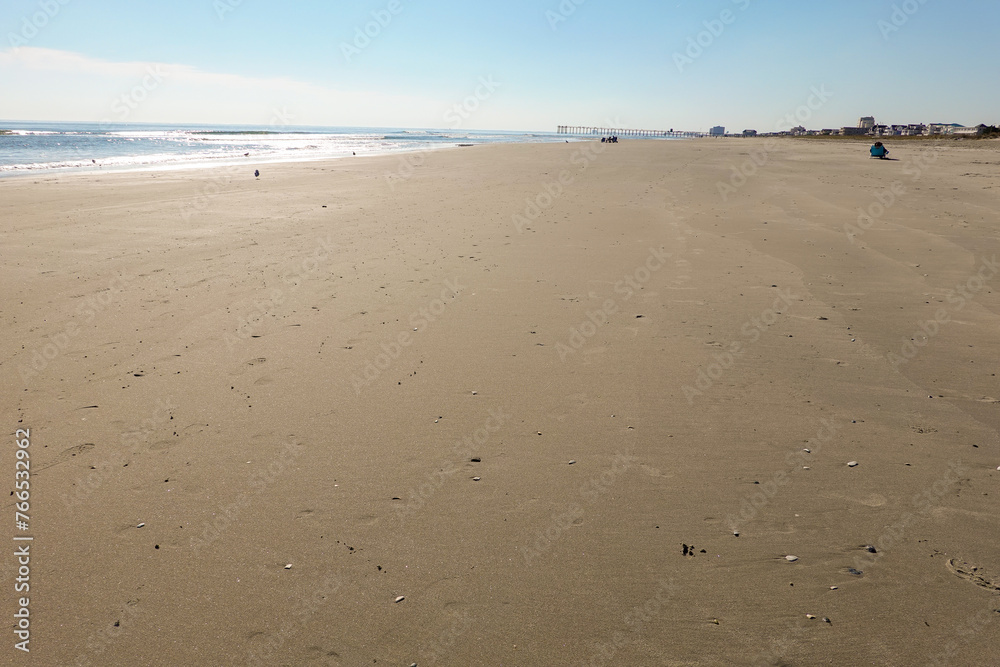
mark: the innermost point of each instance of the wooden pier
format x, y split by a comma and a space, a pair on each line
622, 132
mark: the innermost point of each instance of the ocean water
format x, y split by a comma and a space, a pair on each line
39, 147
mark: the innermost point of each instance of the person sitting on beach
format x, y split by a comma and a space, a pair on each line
879, 151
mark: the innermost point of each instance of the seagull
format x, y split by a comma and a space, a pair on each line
256, 173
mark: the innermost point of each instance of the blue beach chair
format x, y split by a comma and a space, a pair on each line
879, 151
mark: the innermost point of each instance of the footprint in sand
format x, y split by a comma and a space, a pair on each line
971, 573
67, 454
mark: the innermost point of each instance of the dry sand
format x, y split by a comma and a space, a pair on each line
304, 369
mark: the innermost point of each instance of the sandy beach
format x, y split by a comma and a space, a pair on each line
558, 404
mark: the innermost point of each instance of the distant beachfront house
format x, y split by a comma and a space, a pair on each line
969, 131
749, 133
853, 131
879, 130
717, 131
866, 122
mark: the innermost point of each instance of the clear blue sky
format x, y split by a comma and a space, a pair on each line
606, 62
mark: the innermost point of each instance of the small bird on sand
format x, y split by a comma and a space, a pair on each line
256, 173
246, 155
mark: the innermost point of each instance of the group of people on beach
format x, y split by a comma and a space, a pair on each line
609, 140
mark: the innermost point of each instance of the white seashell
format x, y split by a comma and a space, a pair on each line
140, 525
399, 599
851, 464
288, 567
791, 559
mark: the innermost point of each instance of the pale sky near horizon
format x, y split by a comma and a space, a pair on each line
517, 65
